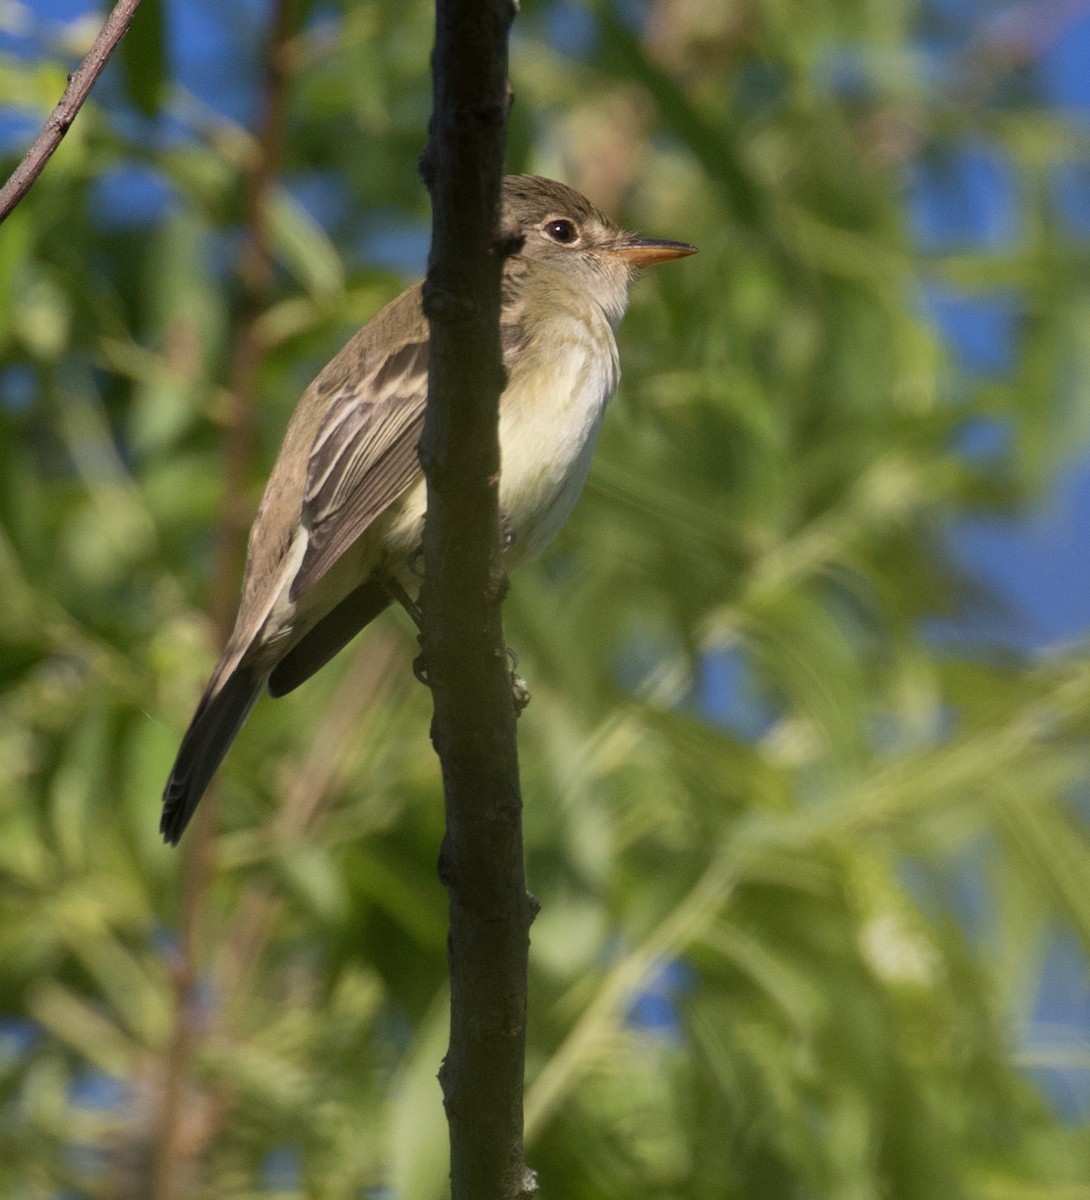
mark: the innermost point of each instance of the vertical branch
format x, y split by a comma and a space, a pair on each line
473, 727
176, 1147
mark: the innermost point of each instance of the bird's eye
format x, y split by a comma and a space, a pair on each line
562, 231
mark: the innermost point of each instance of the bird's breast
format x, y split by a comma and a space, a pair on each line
557, 389
550, 413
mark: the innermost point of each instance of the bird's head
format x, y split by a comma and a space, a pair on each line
562, 228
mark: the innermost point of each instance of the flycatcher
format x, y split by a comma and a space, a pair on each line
343, 512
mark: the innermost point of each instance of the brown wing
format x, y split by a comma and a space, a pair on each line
364, 456
364, 453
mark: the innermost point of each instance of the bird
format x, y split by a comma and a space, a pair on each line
338, 529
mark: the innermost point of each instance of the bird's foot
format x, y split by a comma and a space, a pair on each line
520, 691
397, 592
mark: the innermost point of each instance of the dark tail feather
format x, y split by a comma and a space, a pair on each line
218, 719
332, 633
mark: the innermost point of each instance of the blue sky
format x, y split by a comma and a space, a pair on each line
1038, 562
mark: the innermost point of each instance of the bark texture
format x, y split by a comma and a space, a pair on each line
473, 727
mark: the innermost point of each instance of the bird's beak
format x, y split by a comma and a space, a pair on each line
645, 252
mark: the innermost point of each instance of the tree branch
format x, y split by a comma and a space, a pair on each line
473, 727
60, 119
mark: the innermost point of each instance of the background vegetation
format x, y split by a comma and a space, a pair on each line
807, 839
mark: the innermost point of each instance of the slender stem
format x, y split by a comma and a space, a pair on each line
473, 728
60, 119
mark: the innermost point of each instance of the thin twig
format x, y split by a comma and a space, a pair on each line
60, 119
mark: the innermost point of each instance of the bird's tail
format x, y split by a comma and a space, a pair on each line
219, 716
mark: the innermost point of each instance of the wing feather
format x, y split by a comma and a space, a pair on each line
364, 452
363, 458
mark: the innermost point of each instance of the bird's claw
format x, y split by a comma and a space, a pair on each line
520, 691
396, 592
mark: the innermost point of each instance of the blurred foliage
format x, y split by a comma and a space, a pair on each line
801, 861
